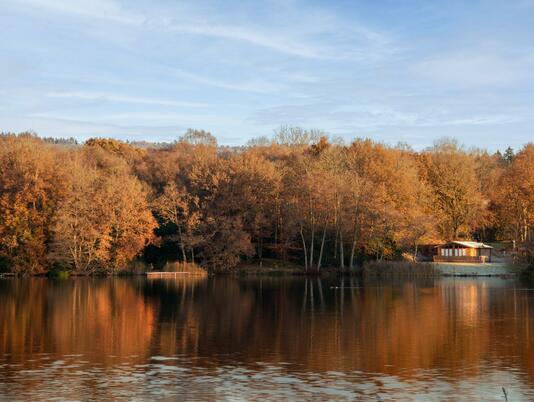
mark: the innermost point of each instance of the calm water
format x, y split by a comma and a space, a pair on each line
275, 338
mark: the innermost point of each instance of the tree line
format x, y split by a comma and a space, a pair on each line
299, 196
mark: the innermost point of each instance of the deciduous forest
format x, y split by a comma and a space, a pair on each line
299, 197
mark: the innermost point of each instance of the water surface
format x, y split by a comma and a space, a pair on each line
270, 338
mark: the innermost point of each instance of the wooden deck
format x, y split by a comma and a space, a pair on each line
463, 258
165, 274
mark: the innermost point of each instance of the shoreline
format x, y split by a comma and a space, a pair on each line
279, 269
492, 269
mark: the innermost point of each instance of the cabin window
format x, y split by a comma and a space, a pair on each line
456, 252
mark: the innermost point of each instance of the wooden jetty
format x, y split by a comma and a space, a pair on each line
166, 274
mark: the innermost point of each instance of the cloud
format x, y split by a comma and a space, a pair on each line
102, 96
476, 68
84, 129
252, 36
368, 115
332, 111
244, 86
111, 10
101, 9
147, 119
318, 35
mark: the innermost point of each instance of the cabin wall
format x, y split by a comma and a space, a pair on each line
453, 252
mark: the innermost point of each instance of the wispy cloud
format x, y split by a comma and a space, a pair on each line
83, 129
309, 114
148, 119
241, 68
373, 115
111, 10
110, 97
252, 36
240, 85
347, 38
100, 9
477, 68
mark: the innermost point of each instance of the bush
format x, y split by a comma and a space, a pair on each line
4, 265
58, 271
193, 269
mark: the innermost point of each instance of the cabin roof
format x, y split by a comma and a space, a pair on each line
468, 244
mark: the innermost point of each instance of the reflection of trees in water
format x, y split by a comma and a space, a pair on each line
99, 318
395, 327
308, 300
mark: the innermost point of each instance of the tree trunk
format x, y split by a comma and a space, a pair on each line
322, 248
335, 243
304, 248
341, 254
415, 252
312, 233
260, 251
312, 246
353, 249
182, 245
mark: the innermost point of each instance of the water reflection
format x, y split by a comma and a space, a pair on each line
275, 337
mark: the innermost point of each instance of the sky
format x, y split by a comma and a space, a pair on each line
394, 71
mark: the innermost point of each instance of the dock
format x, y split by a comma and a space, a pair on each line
167, 274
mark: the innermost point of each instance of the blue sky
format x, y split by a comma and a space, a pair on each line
395, 71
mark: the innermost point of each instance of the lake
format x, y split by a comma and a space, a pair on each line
266, 338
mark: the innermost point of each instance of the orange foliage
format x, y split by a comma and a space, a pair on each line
89, 208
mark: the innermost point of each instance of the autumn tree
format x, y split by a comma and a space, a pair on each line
198, 137
172, 207
254, 190
297, 136
296, 196
457, 202
31, 184
104, 221
132, 155
514, 199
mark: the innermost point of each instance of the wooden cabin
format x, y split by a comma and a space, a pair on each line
462, 251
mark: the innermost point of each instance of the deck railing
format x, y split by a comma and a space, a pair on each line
463, 258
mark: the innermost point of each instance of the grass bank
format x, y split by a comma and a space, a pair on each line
369, 268
398, 268
269, 267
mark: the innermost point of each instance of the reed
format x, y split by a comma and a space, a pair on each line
398, 268
188, 267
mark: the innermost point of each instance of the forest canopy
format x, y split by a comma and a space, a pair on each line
299, 196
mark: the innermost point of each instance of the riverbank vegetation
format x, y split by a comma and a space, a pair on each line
298, 197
